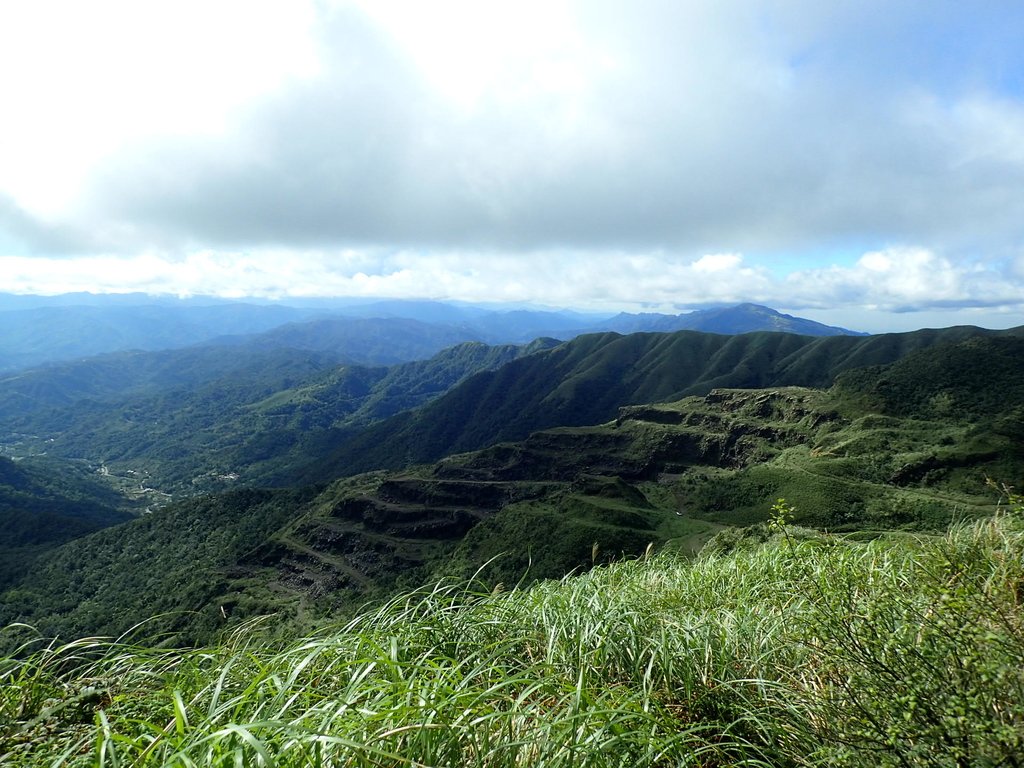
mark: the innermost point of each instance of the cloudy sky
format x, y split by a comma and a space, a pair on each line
859, 162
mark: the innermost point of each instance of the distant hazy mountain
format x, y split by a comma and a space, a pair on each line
117, 377
35, 335
439, 312
365, 341
36, 330
743, 318
39, 329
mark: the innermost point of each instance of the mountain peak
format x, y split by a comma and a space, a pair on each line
740, 318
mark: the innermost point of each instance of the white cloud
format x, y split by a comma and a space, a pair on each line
717, 262
83, 80
1017, 267
483, 56
897, 279
708, 127
907, 278
566, 152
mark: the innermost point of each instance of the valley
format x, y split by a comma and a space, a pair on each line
512, 385
201, 499
882, 449
211, 426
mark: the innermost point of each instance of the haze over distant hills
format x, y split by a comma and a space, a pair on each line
37, 330
743, 318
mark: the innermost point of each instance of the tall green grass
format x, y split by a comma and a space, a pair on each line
804, 650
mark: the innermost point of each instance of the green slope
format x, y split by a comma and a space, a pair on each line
212, 424
44, 504
976, 377
168, 562
586, 380
847, 459
808, 650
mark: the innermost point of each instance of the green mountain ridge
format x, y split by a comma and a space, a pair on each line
586, 380
880, 450
36, 330
202, 419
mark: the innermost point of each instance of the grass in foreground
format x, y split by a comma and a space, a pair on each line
805, 650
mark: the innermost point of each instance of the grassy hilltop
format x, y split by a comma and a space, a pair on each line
803, 650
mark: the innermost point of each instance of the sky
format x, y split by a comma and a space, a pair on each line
854, 162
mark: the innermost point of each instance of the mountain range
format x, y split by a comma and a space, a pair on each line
586, 380
742, 318
552, 458
36, 330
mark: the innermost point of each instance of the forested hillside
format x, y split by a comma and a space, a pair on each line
586, 380
878, 451
44, 504
213, 418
